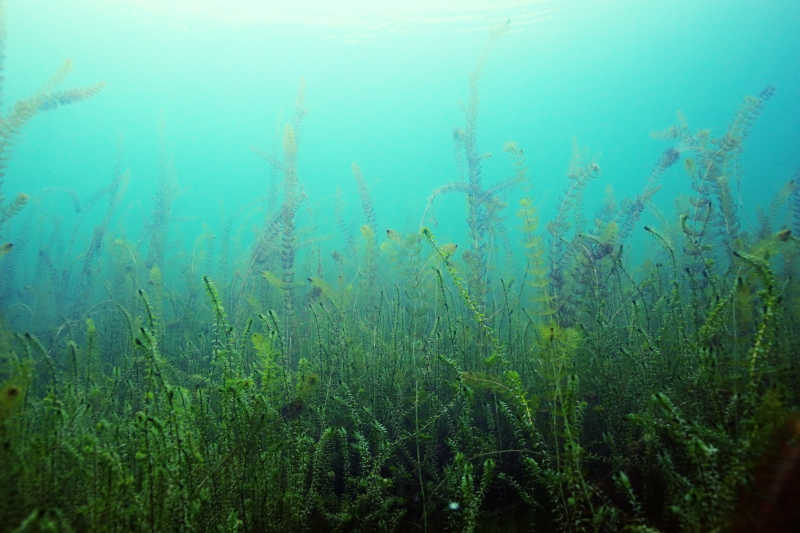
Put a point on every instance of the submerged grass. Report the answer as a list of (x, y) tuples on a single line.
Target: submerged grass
[(410, 387), (428, 414)]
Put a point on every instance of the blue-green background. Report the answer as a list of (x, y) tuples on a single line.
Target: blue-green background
[(388, 97)]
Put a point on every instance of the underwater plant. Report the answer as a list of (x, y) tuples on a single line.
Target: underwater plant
[(48, 97), (399, 383), (483, 202)]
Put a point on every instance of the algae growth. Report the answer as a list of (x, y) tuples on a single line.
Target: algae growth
[(532, 377)]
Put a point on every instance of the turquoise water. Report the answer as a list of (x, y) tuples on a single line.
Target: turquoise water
[(387, 93), (210, 321)]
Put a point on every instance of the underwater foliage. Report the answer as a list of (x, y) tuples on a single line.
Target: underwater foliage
[(483, 203), (405, 383), (14, 120)]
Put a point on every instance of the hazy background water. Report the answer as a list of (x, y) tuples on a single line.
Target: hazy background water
[(384, 87)]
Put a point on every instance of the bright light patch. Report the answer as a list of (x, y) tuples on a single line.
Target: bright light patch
[(345, 12)]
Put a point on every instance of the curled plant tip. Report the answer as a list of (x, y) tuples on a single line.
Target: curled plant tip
[(762, 266)]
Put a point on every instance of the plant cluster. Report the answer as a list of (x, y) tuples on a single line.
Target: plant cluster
[(399, 383)]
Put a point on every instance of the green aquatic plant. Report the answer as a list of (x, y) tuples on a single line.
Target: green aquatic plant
[(13, 389), (483, 202), (715, 168), (366, 201), (14, 120), (288, 239), (567, 219), (769, 296), (536, 267), (162, 207), (368, 230), (496, 349), (116, 191), (407, 387), (632, 210), (280, 235)]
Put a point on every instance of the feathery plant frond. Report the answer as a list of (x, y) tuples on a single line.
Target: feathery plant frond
[(14, 120), (482, 203)]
